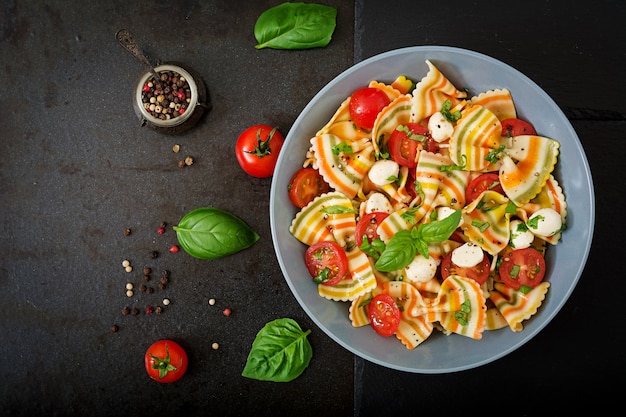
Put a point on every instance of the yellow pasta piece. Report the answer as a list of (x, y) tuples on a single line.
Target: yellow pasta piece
[(361, 281), (516, 306), (460, 307), (312, 224), (498, 101), (475, 135), (527, 165), (343, 171), (486, 221), (431, 92)]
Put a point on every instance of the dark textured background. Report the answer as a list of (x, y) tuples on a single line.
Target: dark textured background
[(77, 168)]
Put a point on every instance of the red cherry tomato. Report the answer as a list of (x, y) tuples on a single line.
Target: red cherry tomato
[(384, 314), (305, 185), (516, 127), (483, 182), (257, 150), (403, 147), (522, 267), (478, 273), (166, 361), (365, 104), (327, 262), (367, 225)]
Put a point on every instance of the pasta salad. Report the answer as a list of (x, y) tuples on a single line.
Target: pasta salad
[(427, 209)]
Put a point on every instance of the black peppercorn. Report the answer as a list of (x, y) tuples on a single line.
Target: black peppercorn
[(147, 270), (126, 311), (154, 254), (134, 311), (114, 328)]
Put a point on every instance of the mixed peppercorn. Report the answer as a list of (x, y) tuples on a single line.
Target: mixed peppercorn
[(168, 97)]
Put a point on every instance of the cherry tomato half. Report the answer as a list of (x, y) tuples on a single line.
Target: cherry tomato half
[(305, 185), (257, 150), (483, 182), (384, 314), (365, 104), (367, 225), (166, 361), (478, 273), (522, 267), (516, 127), (403, 147), (327, 262)]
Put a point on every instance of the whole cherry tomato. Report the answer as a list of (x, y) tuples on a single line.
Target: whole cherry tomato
[(166, 361), (257, 150), (365, 104)]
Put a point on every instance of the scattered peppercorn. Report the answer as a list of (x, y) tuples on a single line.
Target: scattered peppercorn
[(163, 225), (129, 286), (154, 254), (158, 310), (227, 312), (215, 346), (147, 270), (174, 248), (149, 310), (164, 280), (129, 293), (188, 161), (150, 290), (142, 288), (146, 278), (212, 301), (161, 230), (181, 164), (125, 311), (162, 286), (114, 328), (125, 263), (166, 301), (134, 311), (176, 148), (127, 231)]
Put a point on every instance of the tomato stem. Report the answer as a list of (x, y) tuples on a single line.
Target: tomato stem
[(163, 365), (263, 147)]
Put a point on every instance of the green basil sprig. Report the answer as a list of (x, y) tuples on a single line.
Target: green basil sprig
[(405, 244), (280, 352), (295, 26), (211, 233)]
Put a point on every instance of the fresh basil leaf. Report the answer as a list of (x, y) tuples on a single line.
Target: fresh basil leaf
[(400, 251), (295, 26), (441, 230), (211, 233), (280, 352)]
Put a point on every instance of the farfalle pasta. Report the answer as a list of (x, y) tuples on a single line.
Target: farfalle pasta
[(436, 277)]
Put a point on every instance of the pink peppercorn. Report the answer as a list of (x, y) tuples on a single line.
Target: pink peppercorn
[(181, 95), (227, 312), (174, 249), (161, 230), (146, 88)]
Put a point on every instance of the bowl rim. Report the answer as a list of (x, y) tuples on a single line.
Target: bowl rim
[(589, 209)]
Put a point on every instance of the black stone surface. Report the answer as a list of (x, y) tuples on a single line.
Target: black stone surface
[(76, 169)]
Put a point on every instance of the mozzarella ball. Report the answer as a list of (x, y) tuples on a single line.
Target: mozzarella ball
[(545, 222), (384, 172), (421, 269), (520, 236)]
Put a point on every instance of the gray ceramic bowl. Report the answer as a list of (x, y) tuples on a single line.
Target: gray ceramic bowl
[(565, 261)]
